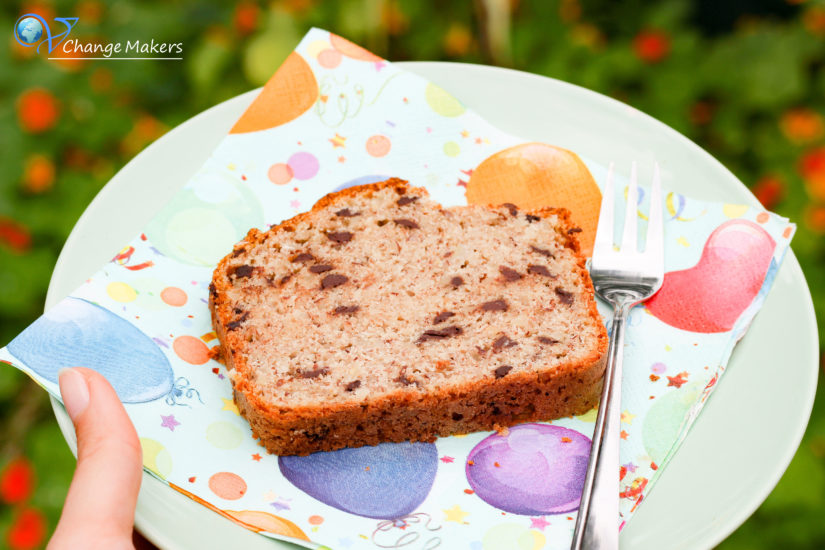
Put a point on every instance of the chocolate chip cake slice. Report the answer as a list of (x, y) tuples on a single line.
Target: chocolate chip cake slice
[(381, 316)]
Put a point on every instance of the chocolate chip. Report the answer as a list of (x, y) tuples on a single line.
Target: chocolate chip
[(502, 342), (237, 310), (443, 316), (403, 222), (574, 230), (331, 281), (212, 290), (531, 218), (456, 281), (347, 213), (511, 207), (439, 334), (495, 305), (285, 279), (565, 296), (354, 385), (340, 237), (342, 310), (457, 416), (496, 411), (303, 257), (401, 190), (547, 340), (540, 270), (237, 322), (237, 252), (542, 251), (405, 200), (402, 379), (314, 373), (509, 273), (502, 371), (381, 223), (242, 271), (320, 268)]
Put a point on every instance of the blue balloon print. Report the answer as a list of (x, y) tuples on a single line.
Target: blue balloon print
[(363, 180), (387, 481), (78, 333)]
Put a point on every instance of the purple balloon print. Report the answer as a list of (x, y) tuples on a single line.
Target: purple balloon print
[(535, 470), (387, 481)]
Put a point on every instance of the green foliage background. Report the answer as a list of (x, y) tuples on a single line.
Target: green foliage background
[(745, 80)]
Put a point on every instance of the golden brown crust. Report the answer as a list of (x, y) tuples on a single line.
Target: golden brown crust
[(406, 414)]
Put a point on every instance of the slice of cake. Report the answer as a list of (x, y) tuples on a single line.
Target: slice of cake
[(381, 316)]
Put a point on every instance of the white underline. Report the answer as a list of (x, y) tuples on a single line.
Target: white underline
[(120, 58)]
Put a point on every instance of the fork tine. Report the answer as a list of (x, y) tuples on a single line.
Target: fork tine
[(654, 248), (604, 230), (629, 235)]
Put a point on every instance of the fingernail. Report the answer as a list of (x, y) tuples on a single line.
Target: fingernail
[(75, 392)]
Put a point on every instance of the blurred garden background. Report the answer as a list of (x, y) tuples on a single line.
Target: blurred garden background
[(744, 79)]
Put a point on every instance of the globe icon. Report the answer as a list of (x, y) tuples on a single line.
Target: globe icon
[(29, 30)]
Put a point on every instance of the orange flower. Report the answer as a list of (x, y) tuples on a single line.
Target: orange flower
[(16, 481), (814, 218), (802, 125), (37, 110), (651, 46), (146, 129), (458, 40), (14, 235), (38, 173), (89, 11), (701, 113), (812, 168), (27, 531), (769, 190), (101, 80), (395, 21), (246, 18), (570, 10), (814, 20)]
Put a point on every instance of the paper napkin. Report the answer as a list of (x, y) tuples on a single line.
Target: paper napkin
[(335, 115)]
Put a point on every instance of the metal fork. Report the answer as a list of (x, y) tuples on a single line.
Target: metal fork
[(623, 278)]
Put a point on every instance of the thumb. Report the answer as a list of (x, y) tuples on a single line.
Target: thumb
[(100, 507)]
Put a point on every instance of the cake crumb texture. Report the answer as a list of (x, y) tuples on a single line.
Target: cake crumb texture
[(381, 316)]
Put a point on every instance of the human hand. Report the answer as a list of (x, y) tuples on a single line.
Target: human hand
[(100, 508)]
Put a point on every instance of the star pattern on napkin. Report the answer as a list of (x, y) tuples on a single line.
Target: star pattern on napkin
[(229, 405), (539, 523), (677, 380), (169, 422), (455, 514)]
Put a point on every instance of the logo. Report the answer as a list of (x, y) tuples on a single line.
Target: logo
[(32, 30)]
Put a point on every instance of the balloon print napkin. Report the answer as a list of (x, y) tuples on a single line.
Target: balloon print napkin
[(334, 115)]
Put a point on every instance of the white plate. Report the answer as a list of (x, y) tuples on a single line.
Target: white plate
[(737, 449)]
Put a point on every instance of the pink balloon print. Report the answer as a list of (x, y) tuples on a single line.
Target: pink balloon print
[(304, 165), (710, 296)]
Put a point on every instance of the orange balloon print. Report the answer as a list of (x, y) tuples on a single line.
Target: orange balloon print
[(290, 92), (191, 349), (173, 296), (351, 50), (251, 519), (534, 175), (264, 521)]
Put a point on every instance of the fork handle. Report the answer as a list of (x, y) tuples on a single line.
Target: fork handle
[(597, 522)]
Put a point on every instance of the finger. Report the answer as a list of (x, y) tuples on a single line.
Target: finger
[(103, 494)]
